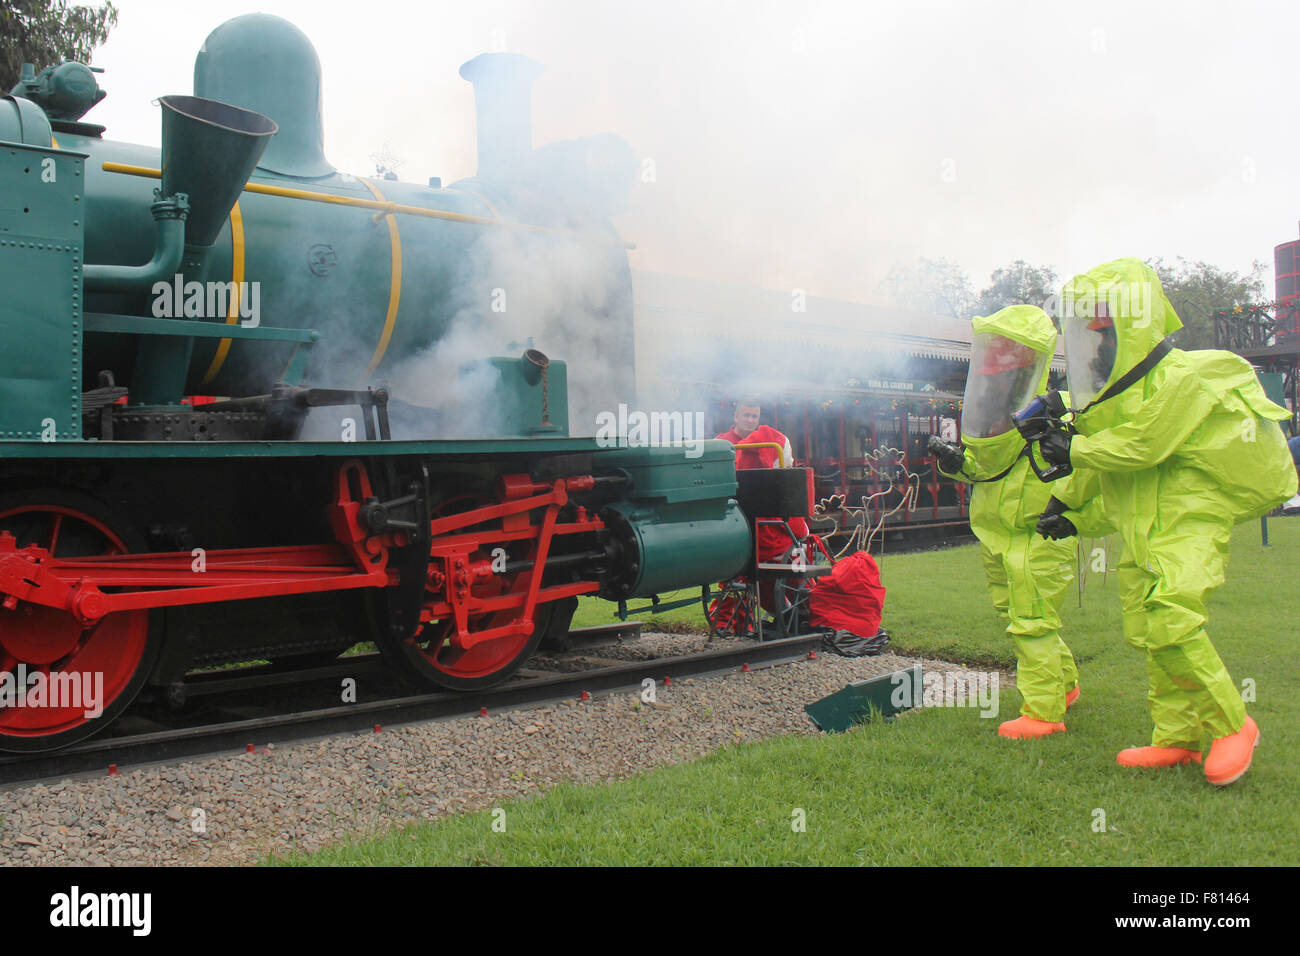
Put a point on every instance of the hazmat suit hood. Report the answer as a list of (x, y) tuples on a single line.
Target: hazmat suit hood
[(1011, 354), (1112, 317)]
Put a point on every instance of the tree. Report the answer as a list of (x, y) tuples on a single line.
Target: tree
[(1017, 284), (46, 32), (1197, 290), (935, 286)]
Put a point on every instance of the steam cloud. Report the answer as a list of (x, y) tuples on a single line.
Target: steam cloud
[(523, 290)]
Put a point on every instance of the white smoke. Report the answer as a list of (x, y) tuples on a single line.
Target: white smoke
[(524, 289)]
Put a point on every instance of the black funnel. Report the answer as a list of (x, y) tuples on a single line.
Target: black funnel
[(209, 149)]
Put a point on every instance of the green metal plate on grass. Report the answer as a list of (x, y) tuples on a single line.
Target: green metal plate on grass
[(855, 703)]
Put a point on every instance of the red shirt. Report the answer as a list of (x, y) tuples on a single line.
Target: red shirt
[(772, 539), (758, 457)]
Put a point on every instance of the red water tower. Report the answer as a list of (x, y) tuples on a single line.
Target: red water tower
[(1286, 269)]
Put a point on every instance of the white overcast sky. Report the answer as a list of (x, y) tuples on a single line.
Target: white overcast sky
[(814, 145)]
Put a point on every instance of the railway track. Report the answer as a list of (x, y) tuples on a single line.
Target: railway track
[(242, 722)]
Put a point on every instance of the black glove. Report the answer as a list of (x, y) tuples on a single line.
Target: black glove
[(1052, 523), (951, 457), (1055, 447)]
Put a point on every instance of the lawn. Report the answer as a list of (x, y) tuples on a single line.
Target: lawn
[(938, 786), (594, 611)]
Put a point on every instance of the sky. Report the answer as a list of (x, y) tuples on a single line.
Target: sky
[(815, 145)]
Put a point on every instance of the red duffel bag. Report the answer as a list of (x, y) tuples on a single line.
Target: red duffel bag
[(850, 598)]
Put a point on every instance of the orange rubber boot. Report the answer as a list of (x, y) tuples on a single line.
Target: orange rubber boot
[(1024, 728), (1157, 757), (1230, 756), (1071, 697)]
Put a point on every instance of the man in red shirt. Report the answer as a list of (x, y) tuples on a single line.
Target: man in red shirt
[(773, 541)]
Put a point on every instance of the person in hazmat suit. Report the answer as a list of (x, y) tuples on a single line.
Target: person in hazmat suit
[(1186, 445), (1027, 574)]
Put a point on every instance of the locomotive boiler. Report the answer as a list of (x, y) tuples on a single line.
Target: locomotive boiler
[(313, 496)]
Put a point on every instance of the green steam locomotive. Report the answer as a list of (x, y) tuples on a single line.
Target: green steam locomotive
[(242, 414)]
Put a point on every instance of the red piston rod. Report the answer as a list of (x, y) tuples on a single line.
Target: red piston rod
[(510, 487), (73, 585)]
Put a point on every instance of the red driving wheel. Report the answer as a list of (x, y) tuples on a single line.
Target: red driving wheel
[(484, 664), (63, 682), (431, 651)]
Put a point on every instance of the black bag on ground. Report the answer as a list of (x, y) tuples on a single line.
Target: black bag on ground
[(848, 644)]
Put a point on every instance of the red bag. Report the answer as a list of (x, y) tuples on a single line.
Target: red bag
[(850, 598)]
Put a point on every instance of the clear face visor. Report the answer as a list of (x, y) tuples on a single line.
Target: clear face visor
[(1004, 376), (1090, 348)]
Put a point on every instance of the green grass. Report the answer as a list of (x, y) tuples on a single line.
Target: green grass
[(684, 620), (938, 786), (937, 606)]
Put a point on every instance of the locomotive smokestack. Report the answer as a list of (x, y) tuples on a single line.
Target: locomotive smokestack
[(503, 90)]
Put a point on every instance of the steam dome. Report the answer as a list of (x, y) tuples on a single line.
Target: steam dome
[(266, 64)]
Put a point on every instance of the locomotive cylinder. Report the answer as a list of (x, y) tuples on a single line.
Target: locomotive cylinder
[(677, 522)]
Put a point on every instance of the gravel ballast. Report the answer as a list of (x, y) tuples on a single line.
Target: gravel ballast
[(240, 809)]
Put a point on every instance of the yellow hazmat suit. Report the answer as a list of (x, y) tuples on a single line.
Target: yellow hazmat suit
[(1185, 452), (1027, 575)]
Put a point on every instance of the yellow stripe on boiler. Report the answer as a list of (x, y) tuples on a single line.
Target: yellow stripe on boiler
[(394, 282), (237, 279)]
